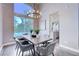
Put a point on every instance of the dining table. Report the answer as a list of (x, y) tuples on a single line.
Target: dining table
[(37, 40)]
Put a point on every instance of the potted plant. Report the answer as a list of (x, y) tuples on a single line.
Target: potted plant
[(33, 35), (37, 31), (34, 32), (31, 30)]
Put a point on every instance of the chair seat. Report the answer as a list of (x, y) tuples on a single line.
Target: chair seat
[(22, 38), (25, 43)]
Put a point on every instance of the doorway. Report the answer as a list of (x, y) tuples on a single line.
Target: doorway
[(54, 26)]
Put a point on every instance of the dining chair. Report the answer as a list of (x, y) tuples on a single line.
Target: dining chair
[(25, 46), (16, 39), (47, 49)]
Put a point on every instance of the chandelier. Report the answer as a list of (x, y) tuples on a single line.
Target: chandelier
[(34, 14)]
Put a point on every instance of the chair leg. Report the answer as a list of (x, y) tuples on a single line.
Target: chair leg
[(38, 54), (29, 52), (33, 52), (19, 52), (17, 49), (52, 53), (22, 53), (16, 46)]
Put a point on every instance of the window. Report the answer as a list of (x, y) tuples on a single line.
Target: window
[(22, 24), (20, 8)]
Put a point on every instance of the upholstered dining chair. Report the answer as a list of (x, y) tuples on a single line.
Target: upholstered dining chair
[(26, 46), (23, 45), (47, 50), (20, 39)]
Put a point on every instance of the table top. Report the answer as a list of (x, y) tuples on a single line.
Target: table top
[(37, 40)]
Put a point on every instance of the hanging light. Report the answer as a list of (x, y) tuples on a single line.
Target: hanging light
[(33, 13)]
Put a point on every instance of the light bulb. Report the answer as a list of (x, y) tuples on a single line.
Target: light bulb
[(33, 10), (37, 11)]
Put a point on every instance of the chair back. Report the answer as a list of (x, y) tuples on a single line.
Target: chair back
[(50, 47), (25, 45)]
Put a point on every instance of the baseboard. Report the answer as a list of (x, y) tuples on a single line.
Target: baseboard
[(0, 51), (70, 50)]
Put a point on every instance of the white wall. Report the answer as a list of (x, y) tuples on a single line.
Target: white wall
[(78, 26), (69, 26), (68, 19)]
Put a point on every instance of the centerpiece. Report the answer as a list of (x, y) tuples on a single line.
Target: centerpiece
[(34, 33)]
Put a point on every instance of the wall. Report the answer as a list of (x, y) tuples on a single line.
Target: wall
[(78, 26), (69, 27), (7, 22), (0, 26), (68, 19)]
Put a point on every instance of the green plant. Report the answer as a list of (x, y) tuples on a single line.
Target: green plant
[(35, 30)]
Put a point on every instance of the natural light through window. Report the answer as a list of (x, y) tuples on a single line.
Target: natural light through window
[(22, 25)]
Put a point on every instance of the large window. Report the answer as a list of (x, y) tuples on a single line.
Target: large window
[(22, 25)]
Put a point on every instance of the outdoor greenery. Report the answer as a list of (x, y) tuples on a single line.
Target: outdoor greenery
[(22, 25)]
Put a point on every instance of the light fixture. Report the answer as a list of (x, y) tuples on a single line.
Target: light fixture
[(34, 13)]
